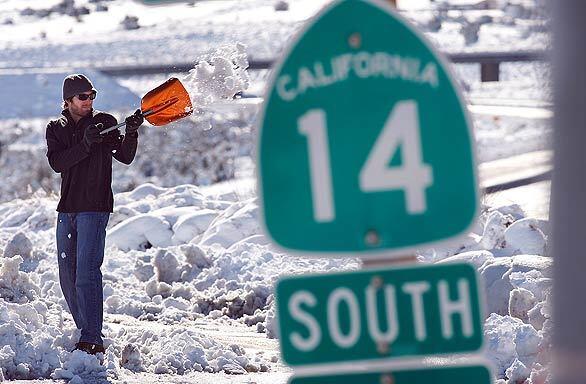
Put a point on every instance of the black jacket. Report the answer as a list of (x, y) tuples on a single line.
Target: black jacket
[(86, 172)]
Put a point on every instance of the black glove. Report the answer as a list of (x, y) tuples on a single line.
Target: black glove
[(133, 122), (113, 139), (92, 135)]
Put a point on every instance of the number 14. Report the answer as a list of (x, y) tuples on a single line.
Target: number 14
[(401, 129)]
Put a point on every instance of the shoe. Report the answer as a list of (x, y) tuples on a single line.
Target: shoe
[(90, 348)]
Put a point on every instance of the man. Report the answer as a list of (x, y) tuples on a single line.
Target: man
[(83, 157)]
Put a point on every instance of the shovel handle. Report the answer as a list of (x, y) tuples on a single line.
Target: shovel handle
[(119, 125), (123, 124)]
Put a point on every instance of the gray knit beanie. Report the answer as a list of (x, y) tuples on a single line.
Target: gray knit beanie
[(76, 84)]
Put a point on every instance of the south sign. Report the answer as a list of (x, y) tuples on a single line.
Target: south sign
[(376, 314)]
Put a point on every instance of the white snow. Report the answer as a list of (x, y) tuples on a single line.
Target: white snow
[(177, 264), (218, 75)]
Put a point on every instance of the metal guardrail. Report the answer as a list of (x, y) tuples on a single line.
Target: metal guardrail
[(490, 61), (499, 187), (489, 64), (151, 69)]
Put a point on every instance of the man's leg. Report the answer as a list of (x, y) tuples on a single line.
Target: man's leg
[(91, 236), (67, 260)]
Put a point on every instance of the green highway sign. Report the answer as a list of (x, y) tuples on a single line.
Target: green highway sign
[(373, 314), (477, 374), (364, 142)]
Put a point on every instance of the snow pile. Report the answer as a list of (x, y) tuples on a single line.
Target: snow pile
[(178, 259), (19, 245), (469, 26), (181, 350), (503, 231), (27, 343), (79, 366), (518, 330), (227, 270), (166, 34), (508, 250), (207, 258), (65, 7), (15, 285)]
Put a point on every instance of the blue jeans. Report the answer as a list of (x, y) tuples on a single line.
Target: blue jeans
[(80, 250)]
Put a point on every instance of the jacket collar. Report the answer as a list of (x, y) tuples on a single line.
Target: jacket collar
[(70, 119)]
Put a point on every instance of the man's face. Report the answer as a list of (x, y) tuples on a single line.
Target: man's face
[(81, 107)]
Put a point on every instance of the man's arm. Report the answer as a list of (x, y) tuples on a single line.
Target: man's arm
[(60, 157), (125, 153), (128, 147)]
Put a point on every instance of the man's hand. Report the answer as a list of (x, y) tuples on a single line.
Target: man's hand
[(113, 139), (133, 122), (92, 134)]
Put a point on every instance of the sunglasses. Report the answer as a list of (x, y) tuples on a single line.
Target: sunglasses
[(84, 96)]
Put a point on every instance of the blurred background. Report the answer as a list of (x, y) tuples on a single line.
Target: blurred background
[(127, 47)]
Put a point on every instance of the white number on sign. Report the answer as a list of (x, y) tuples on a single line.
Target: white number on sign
[(401, 130), (412, 176), (313, 125)]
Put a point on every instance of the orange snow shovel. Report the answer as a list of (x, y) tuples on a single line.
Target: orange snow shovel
[(164, 104)]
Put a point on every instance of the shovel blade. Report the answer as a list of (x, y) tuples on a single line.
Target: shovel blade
[(166, 103)]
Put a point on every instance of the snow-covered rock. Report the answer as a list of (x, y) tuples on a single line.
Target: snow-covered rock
[(16, 286), (19, 245), (521, 301), (525, 237), (236, 223), (512, 345), (141, 232), (190, 226), (476, 258), (496, 275)]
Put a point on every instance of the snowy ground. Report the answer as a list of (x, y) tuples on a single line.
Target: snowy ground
[(188, 287), (188, 274)]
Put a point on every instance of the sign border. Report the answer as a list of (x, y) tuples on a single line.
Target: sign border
[(389, 361), (474, 361), (375, 254)]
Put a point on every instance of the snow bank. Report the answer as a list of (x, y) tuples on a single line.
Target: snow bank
[(27, 343), (16, 286), (177, 258), (180, 256), (508, 251)]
